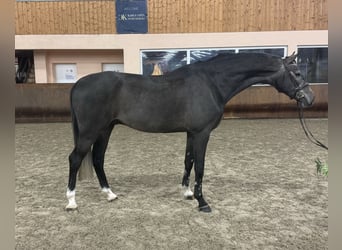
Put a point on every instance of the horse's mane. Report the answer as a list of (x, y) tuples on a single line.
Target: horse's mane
[(249, 58), (242, 55), (255, 61)]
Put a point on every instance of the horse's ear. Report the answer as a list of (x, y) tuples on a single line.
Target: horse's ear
[(290, 59)]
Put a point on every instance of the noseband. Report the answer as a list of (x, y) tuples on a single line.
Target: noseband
[(299, 93)]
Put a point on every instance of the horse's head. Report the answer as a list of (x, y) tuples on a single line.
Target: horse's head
[(292, 83)]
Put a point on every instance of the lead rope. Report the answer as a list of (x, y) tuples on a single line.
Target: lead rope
[(307, 132)]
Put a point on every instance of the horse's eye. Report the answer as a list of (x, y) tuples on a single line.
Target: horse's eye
[(297, 74)]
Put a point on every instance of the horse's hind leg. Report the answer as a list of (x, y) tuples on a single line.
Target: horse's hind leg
[(99, 150), (188, 162), (75, 160)]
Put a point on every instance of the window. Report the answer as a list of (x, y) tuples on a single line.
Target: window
[(313, 63), (65, 73), (273, 51), (206, 54), (161, 62), (117, 67), (24, 66), (158, 62)]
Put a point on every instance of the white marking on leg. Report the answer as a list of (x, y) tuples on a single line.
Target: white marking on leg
[(110, 195), (71, 200), (188, 193)]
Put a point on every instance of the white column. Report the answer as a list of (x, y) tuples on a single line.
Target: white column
[(132, 60), (40, 68)]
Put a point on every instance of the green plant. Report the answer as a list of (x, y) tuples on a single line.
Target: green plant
[(322, 168)]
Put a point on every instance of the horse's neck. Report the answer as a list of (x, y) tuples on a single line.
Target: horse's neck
[(235, 87), (231, 83)]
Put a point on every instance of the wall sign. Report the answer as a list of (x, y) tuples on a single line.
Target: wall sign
[(65, 73), (131, 16)]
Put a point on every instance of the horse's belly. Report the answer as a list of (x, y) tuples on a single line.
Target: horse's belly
[(154, 122)]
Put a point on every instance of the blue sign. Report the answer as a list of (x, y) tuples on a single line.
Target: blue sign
[(131, 16)]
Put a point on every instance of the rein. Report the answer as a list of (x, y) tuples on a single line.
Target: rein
[(307, 132), (298, 95)]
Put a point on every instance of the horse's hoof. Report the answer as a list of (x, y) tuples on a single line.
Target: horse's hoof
[(188, 197), (111, 197), (205, 209), (72, 207), (188, 194)]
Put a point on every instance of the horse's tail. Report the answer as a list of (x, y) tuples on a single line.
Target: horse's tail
[(86, 168), (86, 171)]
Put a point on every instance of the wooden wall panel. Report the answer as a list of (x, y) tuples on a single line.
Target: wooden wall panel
[(173, 16), (74, 17)]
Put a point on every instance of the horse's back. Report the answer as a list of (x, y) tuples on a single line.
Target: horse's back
[(131, 99), (96, 82)]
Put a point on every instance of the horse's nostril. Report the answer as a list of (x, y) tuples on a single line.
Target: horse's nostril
[(300, 95)]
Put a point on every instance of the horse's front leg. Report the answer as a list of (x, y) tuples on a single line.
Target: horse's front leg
[(200, 146), (188, 162)]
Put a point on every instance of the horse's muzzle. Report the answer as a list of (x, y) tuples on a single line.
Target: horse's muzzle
[(305, 97)]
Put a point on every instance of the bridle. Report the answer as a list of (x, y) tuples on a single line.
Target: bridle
[(299, 94)]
